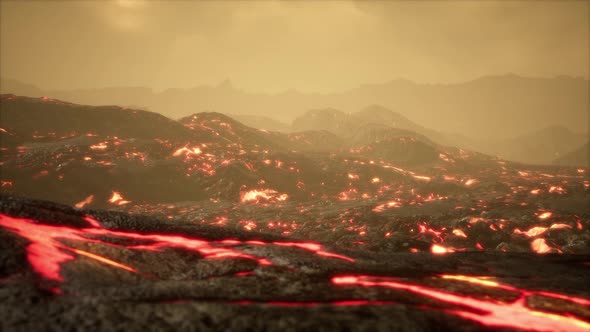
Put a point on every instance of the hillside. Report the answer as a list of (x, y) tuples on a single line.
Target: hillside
[(261, 122), (541, 146), (66, 152), (45, 117), (577, 157)]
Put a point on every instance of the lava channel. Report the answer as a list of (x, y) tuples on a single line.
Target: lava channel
[(46, 253), (489, 313)]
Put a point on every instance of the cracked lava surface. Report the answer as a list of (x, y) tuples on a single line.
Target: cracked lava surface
[(61, 255), (206, 224)]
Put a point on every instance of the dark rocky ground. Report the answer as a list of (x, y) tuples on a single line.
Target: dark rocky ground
[(133, 221), (123, 272)]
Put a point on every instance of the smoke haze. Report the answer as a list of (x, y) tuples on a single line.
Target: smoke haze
[(272, 46)]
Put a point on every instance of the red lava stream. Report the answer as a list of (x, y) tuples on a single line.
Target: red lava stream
[(46, 253)]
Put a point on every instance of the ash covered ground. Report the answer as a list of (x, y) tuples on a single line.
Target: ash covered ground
[(204, 222)]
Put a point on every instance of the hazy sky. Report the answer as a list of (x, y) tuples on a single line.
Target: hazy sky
[(271, 46)]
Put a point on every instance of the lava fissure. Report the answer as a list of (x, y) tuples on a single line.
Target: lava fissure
[(46, 253), (497, 314)]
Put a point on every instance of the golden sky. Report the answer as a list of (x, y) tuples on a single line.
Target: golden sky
[(271, 46)]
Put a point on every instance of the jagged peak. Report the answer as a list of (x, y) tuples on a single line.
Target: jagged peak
[(226, 84)]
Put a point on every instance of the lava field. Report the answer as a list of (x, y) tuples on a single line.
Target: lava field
[(120, 219)]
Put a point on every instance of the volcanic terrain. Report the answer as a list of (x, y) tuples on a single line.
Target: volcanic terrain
[(114, 218)]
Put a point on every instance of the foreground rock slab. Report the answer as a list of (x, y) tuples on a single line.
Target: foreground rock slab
[(68, 269)]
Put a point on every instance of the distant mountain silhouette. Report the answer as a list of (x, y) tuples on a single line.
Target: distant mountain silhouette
[(261, 122), (541, 146), (382, 115), (19, 88), (372, 123), (377, 123), (330, 119), (492, 107), (577, 157)]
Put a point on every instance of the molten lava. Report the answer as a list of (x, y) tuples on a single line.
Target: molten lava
[(438, 249), (85, 202), (263, 195), (46, 252), (117, 199), (493, 314), (545, 215), (540, 246), (187, 151)]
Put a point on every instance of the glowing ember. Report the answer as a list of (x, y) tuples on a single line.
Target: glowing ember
[(557, 189), (470, 182), (545, 215), (256, 196), (438, 249), (348, 194), (535, 231), (187, 151), (540, 246), (6, 183), (459, 232), (422, 177), (353, 176), (117, 199), (382, 207), (248, 224), (560, 226), (100, 146), (85, 202)]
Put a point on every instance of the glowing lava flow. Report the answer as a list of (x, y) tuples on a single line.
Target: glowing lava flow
[(117, 199), (187, 151), (489, 283), (104, 260), (313, 247), (257, 196), (438, 249), (46, 253), (85, 202), (495, 314), (540, 246), (545, 215)]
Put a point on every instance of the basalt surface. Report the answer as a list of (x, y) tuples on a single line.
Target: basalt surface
[(119, 219), (69, 269)]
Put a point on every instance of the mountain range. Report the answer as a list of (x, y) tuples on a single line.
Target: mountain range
[(362, 183), (376, 123), (491, 107)]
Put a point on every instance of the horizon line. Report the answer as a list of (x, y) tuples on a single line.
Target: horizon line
[(229, 83)]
